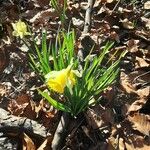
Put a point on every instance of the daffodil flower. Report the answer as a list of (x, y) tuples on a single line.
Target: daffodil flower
[(58, 80), (20, 29)]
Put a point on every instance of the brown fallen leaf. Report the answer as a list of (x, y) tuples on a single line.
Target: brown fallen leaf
[(133, 45), (146, 21), (137, 143), (121, 144), (125, 138), (130, 82), (125, 10), (127, 24), (43, 16), (140, 62), (47, 115), (3, 90), (28, 144), (109, 94), (137, 105), (114, 36), (146, 54), (46, 145), (113, 140), (141, 122), (125, 82), (99, 117), (144, 34), (144, 92), (22, 106), (15, 108)]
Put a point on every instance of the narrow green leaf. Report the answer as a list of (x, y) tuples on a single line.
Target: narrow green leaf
[(53, 102), (54, 58)]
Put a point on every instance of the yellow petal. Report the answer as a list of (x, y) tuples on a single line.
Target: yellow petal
[(55, 86), (20, 29), (57, 80), (62, 77), (72, 78)]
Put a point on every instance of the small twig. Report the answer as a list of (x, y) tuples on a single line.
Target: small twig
[(140, 76), (11, 2), (87, 26), (115, 6), (61, 132), (88, 15)]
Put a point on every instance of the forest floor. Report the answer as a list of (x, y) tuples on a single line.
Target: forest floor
[(122, 119)]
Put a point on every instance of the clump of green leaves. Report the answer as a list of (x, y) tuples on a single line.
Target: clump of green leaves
[(39, 58), (90, 82)]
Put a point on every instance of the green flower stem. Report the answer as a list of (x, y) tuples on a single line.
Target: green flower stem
[(25, 42)]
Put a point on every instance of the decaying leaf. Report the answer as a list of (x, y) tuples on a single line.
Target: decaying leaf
[(99, 117), (126, 83), (127, 24), (3, 90), (137, 105), (137, 143), (22, 106), (43, 16), (131, 81), (146, 54), (48, 115), (121, 144), (113, 139), (105, 25), (124, 10), (123, 137), (114, 36), (133, 45), (144, 92), (147, 22), (109, 94), (141, 122), (143, 34), (28, 144), (46, 144), (140, 62), (15, 108)]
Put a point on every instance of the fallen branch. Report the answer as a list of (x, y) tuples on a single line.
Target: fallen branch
[(13, 124)]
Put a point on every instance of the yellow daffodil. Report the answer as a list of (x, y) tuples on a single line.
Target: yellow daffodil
[(20, 29), (58, 80)]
